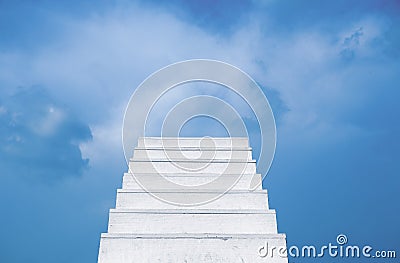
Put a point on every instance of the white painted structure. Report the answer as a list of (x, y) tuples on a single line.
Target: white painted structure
[(237, 227)]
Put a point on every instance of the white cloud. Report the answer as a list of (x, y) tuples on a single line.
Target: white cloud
[(98, 61), (49, 123)]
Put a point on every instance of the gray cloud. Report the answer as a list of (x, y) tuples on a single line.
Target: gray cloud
[(39, 137), (351, 43)]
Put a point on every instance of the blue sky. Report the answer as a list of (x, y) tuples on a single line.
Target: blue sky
[(331, 70)]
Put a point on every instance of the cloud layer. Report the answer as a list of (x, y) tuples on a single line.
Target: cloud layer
[(40, 137)]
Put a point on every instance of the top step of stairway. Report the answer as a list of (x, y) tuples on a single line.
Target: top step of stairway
[(193, 142)]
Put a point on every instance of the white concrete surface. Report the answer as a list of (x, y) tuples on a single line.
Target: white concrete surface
[(193, 167), (231, 228), (205, 154), (158, 221), (189, 248), (243, 182), (191, 142), (131, 199)]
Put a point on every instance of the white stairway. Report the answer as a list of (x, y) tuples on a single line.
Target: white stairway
[(204, 213)]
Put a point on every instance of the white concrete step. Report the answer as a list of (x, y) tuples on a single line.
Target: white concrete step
[(202, 142), (194, 211), (235, 199), (185, 153), (192, 221), (192, 167), (195, 161), (243, 182), (223, 248)]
